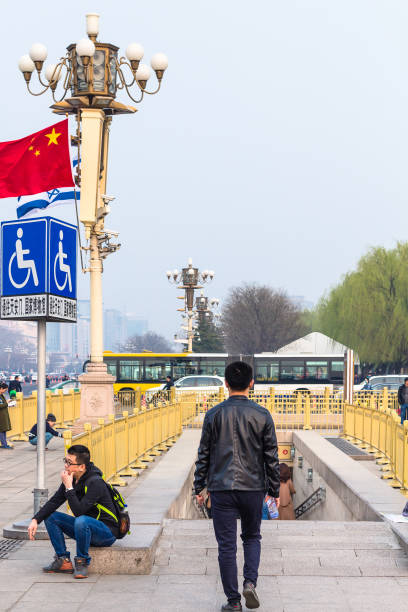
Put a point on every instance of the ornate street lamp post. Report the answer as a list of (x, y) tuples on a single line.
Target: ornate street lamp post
[(205, 306), (84, 83), (189, 279)]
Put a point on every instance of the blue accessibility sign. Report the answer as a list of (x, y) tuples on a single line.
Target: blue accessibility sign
[(62, 259), (39, 260), (24, 257)]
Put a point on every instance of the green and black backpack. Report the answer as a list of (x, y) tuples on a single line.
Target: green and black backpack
[(122, 515), (121, 512)]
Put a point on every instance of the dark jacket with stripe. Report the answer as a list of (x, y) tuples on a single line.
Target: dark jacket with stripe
[(238, 449), (90, 496)]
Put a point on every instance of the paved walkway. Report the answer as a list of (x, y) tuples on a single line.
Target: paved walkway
[(306, 566)]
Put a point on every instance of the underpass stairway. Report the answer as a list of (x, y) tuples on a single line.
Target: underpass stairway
[(304, 564)]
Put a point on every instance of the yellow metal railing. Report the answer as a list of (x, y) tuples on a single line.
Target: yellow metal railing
[(23, 415), (124, 445), (379, 431)]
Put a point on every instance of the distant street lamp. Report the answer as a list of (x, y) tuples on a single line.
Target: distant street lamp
[(190, 279), (84, 83), (205, 306)]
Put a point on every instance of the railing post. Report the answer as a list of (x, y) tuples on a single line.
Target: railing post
[(101, 423), (67, 435), (404, 490), (326, 400), (20, 436), (116, 480), (60, 412), (272, 399), (127, 471), (307, 424), (138, 399), (384, 399)]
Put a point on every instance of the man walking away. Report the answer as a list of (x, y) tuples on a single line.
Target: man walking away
[(94, 522), (50, 432), (15, 385), (238, 462), (403, 400)]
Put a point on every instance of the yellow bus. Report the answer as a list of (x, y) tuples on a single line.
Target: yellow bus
[(285, 372), (146, 370)]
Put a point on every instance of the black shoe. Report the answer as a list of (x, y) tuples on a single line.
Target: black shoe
[(229, 606), (81, 568), (60, 565), (251, 598)]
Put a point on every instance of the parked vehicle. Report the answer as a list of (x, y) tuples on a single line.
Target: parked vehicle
[(209, 384), (391, 381), (66, 386)]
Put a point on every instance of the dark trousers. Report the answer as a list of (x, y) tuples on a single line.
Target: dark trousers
[(226, 505)]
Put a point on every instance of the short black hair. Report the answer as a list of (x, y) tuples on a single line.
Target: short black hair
[(3, 385), (81, 452), (51, 417), (168, 376), (238, 375), (405, 380)]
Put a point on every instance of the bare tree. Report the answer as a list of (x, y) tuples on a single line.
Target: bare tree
[(258, 318), (150, 341)]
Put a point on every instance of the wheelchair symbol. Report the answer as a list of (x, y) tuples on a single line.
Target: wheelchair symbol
[(22, 264), (63, 267)]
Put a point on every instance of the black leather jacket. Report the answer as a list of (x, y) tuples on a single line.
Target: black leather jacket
[(238, 449)]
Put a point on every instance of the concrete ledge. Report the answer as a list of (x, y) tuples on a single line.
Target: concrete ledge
[(166, 491), (365, 495)]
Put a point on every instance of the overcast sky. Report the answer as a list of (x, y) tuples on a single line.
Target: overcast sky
[(276, 152)]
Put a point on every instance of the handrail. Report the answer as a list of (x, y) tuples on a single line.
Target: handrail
[(122, 446), (379, 431), (315, 498)]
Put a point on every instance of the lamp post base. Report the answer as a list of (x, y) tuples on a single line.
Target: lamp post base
[(96, 393), (18, 531)]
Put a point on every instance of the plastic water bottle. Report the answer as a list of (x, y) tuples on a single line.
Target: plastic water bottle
[(272, 509)]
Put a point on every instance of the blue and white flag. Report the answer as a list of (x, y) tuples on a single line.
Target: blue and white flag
[(33, 204)]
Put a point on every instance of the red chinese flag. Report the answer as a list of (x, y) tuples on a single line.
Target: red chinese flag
[(36, 163)]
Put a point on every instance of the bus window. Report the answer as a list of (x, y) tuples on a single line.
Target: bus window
[(212, 367), (130, 370), (337, 369), (261, 372), (111, 365), (266, 372), (292, 371), (184, 367), (157, 370), (317, 370)]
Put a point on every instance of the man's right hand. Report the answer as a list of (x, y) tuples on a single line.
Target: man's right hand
[(32, 529), (200, 499)]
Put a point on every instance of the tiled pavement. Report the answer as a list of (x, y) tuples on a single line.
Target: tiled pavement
[(306, 566)]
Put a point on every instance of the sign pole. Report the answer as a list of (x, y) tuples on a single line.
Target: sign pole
[(40, 492)]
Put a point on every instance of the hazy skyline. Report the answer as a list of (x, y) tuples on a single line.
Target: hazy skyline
[(276, 151)]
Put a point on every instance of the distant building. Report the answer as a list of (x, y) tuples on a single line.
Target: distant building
[(114, 327), (135, 326)]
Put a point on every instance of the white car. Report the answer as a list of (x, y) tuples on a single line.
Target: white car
[(198, 382)]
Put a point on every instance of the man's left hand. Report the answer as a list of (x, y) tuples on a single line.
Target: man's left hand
[(67, 479)]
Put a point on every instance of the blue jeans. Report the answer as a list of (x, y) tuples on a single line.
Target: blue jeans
[(48, 437), (225, 506), (404, 413), (84, 529)]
